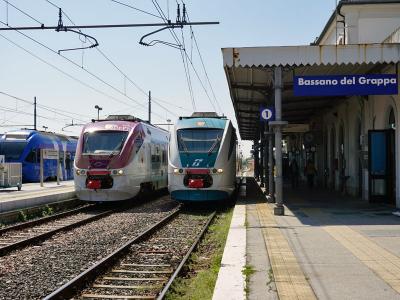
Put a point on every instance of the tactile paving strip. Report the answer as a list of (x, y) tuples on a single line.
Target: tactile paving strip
[(289, 278)]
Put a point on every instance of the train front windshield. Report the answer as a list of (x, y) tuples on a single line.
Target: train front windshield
[(12, 150), (104, 142), (199, 140)]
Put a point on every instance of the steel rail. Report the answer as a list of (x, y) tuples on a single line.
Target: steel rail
[(69, 289), (31, 240), (38, 221), (185, 258), (177, 25)]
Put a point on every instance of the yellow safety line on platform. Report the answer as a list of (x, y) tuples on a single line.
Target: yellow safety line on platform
[(288, 275), (385, 264)]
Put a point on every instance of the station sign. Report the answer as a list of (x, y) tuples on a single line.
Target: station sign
[(50, 154), (346, 85), (267, 114)]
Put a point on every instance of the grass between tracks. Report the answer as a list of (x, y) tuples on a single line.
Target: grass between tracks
[(200, 274)]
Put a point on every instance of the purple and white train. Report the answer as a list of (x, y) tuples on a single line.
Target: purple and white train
[(118, 157)]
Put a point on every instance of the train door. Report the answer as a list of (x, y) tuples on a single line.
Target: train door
[(381, 165)]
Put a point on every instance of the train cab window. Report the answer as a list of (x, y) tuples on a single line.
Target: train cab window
[(104, 142), (31, 157), (12, 150), (199, 140)]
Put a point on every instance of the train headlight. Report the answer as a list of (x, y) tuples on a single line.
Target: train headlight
[(118, 172), (80, 172), (178, 171), (220, 171), (214, 171)]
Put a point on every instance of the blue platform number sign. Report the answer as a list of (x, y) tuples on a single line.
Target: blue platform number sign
[(346, 85), (267, 114)]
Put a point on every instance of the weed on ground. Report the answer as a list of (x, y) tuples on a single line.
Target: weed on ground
[(199, 276)]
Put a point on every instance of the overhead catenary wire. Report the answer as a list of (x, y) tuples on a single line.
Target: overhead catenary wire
[(185, 53), (187, 70), (178, 41), (13, 110), (155, 100), (21, 11), (64, 72), (202, 62), (80, 67), (118, 68), (135, 8), (48, 108)]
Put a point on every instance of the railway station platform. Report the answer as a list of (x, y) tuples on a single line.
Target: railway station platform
[(326, 246), (32, 194)]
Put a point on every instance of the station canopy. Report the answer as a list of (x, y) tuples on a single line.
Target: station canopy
[(250, 73)]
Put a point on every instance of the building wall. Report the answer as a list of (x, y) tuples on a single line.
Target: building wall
[(371, 112), (364, 24), (368, 23)]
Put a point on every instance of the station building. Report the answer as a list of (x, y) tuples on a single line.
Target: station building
[(354, 138)]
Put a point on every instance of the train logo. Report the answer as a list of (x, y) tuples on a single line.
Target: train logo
[(197, 162)]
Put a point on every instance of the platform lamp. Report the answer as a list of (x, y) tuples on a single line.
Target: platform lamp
[(98, 111)]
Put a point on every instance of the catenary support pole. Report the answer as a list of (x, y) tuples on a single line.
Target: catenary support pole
[(149, 106), (34, 114), (41, 167), (279, 208)]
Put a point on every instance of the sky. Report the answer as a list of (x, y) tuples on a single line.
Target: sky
[(68, 86)]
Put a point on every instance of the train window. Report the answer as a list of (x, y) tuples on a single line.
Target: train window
[(199, 140), (31, 157), (104, 142), (12, 150)]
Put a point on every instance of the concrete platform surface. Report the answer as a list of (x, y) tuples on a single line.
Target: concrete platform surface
[(230, 283), (32, 194), (326, 246)]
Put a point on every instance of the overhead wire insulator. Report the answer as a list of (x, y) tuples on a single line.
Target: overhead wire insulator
[(178, 14), (184, 14)]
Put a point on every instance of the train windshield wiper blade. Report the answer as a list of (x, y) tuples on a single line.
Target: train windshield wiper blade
[(185, 149), (214, 145)]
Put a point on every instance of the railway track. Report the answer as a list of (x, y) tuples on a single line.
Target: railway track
[(31, 232), (145, 266)]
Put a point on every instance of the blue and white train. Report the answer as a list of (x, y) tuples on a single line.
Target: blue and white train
[(24, 146), (202, 158)]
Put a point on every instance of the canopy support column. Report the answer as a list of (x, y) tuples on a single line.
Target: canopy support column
[(279, 209), (266, 150), (262, 149), (271, 194)]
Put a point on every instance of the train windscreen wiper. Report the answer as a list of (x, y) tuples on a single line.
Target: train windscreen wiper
[(217, 141), (183, 144)]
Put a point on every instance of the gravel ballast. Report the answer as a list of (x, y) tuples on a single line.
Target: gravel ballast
[(36, 271)]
